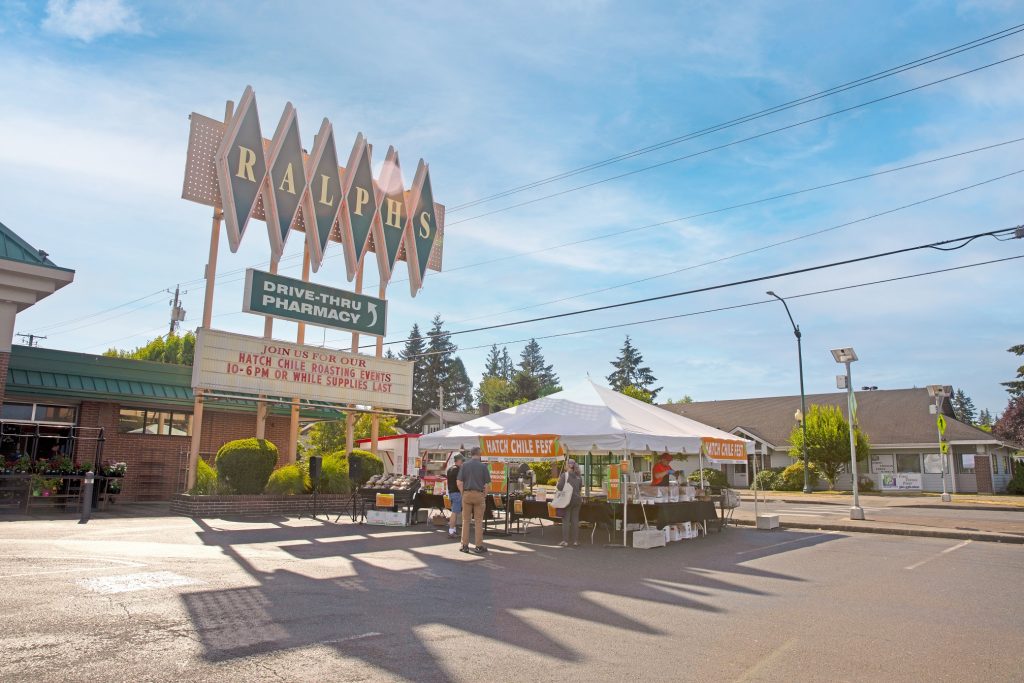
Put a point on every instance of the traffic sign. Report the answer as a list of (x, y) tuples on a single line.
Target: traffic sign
[(944, 447), (941, 422)]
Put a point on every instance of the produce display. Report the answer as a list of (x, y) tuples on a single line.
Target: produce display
[(392, 483)]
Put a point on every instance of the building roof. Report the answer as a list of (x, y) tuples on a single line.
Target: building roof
[(14, 248), (36, 372), (889, 417), (449, 417)]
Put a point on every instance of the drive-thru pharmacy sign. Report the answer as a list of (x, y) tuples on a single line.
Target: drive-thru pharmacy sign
[(254, 365), (307, 302)]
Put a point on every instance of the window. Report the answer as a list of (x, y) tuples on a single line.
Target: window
[(908, 462), (55, 414), (16, 411), (161, 422), (933, 463), (964, 463)]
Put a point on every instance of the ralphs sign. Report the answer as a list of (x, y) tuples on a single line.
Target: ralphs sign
[(306, 302)]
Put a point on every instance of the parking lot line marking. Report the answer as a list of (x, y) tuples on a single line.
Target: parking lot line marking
[(794, 540), (369, 634), (947, 550)]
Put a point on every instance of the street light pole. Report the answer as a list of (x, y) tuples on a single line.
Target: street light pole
[(940, 392), (847, 356), (803, 400)]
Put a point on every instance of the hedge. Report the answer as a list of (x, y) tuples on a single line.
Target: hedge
[(244, 466)]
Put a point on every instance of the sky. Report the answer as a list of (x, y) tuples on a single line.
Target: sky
[(95, 97)]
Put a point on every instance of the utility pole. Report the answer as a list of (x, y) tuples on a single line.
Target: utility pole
[(32, 338), (177, 312), (440, 404)]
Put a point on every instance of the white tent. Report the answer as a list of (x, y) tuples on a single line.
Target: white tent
[(590, 418)]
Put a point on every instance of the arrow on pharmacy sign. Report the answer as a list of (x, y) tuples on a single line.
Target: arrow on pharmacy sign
[(941, 422), (307, 302)]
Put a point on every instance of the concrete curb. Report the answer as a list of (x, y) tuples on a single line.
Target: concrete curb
[(926, 533), (993, 507)]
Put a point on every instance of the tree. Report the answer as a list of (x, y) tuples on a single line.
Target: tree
[(174, 349), (531, 362), (495, 394), (985, 420), (637, 393), (390, 355), (828, 441), (413, 351), (1016, 387), (508, 370), (1010, 425), (437, 365), (630, 371), (492, 366), (963, 407), (685, 399), (458, 391), (328, 437)]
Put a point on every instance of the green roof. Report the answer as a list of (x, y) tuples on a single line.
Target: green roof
[(40, 373), (13, 248)]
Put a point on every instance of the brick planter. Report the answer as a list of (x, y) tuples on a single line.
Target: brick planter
[(256, 506)]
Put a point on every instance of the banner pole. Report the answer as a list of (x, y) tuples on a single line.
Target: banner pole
[(210, 275), (300, 338)]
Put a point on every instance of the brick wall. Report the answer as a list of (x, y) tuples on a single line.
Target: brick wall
[(983, 473), (5, 360), (257, 506), (156, 463)]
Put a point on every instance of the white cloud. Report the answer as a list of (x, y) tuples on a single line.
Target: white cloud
[(87, 20)]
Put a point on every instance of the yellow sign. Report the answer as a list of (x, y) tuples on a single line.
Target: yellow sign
[(518, 507), (944, 447), (385, 500), (941, 422), (520, 446)]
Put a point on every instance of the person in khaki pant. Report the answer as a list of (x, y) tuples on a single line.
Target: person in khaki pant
[(473, 480)]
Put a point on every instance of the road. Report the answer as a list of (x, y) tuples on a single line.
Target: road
[(172, 599)]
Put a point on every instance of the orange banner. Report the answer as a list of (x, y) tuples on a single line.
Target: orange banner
[(385, 500), (520, 446), (497, 476), (723, 450)]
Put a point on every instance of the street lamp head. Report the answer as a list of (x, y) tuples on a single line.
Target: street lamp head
[(798, 415), (771, 293), (844, 355), (940, 390)]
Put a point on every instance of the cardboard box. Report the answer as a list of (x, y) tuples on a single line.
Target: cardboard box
[(385, 517), (649, 538)]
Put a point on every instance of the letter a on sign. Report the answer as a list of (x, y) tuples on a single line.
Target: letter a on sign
[(286, 185), (421, 229), (241, 167), (324, 200)]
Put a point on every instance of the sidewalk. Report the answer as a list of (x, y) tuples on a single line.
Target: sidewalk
[(967, 517)]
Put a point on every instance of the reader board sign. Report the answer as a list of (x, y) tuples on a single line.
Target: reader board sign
[(722, 450), (520, 447), (254, 365), (307, 302), (901, 481)]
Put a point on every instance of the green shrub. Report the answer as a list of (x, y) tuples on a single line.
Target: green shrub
[(792, 478), (372, 464), (552, 481), (541, 470), (244, 466), (334, 474), (766, 480), (1016, 485), (206, 480), (287, 481), (712, 477), (865, 484)]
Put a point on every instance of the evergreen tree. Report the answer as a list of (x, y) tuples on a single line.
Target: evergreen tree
[(1016, 387), (630, 371), (508, 370), (985, 419), (437, 366), (963, 407), (531, 363), (390, 355), (458, 390), (413, 351), (492, 366)]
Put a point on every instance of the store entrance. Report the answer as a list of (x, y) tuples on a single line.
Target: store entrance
[(37, 433)]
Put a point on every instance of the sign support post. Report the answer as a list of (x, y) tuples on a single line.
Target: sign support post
[(350, 420), (268, 332), (300, 338), (375, 418), (210, 275)]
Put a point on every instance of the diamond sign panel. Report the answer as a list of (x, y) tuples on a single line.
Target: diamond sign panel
[(360, 213), (241, 167), (390, 227), (286, 179), (324, 199), (421, 230)]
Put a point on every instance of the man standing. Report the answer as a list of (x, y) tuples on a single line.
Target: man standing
[(473, 479), (454, 495)]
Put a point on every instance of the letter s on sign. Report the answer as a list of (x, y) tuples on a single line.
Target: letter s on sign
[(425, 225)]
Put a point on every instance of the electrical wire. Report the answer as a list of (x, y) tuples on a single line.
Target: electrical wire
[(732, 143), (892, 71), (721, 308)]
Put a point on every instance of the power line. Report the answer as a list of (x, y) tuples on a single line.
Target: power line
[(763, 247), (733, 142), (724, 308), (892, 71), (964, 241)]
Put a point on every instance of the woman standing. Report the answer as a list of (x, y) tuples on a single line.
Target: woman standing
[(571, 513)]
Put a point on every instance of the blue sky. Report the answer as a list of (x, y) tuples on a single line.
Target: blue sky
[(95, 95)]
